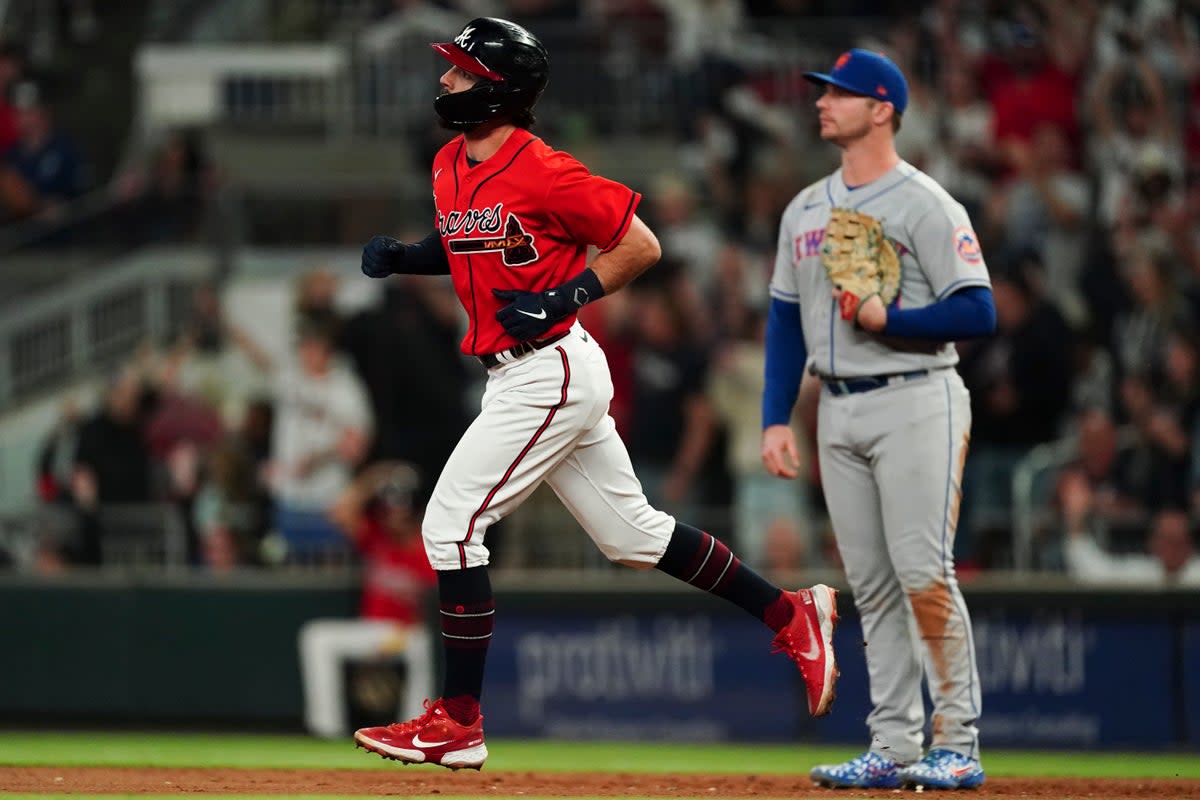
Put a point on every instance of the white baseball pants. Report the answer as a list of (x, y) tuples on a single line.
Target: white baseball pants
[(545, 417)]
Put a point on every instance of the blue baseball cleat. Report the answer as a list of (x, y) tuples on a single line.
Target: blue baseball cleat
[(943, 769), (868, 771)]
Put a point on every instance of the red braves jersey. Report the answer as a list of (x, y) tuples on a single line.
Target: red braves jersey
[(523, 219)]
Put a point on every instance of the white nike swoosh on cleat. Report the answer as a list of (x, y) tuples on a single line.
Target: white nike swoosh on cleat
[(813, 652), (542, 315), (419, 742)]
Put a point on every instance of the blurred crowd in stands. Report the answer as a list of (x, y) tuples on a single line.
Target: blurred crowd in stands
[(1070, 129)]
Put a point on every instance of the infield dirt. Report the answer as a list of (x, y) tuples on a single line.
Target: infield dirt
[(430, 781)]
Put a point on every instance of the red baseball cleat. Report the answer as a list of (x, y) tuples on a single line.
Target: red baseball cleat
[(808, 640), (432, 738)]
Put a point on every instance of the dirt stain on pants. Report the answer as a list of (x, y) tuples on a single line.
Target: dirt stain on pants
[(934, 610)]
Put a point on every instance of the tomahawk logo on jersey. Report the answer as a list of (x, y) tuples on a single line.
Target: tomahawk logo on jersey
[(523, 219), (515, 246)]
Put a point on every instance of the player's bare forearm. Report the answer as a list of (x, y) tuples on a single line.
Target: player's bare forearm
[(251, 348), (350, 508), (637, 251), (699, 427)]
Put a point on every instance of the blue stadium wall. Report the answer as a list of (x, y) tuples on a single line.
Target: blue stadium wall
[(1058, 667)]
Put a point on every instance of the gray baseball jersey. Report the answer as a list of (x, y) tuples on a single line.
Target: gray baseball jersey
[(938, 251)]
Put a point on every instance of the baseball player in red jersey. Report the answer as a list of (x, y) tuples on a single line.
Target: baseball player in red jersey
[(515, 220)]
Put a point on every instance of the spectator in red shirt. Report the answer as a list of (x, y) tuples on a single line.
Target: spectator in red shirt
[(1192, 123), (12, 66), (381, 514), (1032, 92)]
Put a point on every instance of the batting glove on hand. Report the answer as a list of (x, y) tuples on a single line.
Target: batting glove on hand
[(382, 256), (530, 314)]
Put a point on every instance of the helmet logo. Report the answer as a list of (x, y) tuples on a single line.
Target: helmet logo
[(463, 40)]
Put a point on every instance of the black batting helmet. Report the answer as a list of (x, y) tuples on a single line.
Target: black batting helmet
[(512, 65)]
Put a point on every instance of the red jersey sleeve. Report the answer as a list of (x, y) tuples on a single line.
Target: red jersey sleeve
[(591, 209)]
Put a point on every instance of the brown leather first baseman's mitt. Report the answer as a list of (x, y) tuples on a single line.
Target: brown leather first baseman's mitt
[(859, 260)]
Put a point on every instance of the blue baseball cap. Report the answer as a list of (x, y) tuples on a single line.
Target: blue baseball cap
[(869, 74)]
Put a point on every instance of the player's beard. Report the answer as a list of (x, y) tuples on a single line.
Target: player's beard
[(848, 132)]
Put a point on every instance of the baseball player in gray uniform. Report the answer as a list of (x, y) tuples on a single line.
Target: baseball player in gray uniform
[(893, 423)]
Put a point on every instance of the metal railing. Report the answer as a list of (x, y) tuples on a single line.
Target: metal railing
[(18, 535), (27, 233), (1031, 493), (143, 535), (242, 20), (295, 86), (85, 326), (605, 80), (1026, 507)]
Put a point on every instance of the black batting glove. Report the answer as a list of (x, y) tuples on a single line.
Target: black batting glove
[(382, 256), (530, 314)]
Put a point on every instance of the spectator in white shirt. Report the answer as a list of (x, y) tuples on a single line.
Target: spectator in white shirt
[(1170, 560), (322, 431)]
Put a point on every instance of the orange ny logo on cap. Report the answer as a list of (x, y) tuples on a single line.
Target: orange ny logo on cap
[(841, 62)]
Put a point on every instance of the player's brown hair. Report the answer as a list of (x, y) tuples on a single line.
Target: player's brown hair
[(895, 116), (524, 119)]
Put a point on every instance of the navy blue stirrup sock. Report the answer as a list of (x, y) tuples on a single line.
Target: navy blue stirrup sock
[(468, 613), (704, 561)]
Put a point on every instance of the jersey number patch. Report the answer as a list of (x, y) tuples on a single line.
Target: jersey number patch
[(515, 246)]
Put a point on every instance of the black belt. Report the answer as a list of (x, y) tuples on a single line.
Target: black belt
[(866, 384), (516, 351)]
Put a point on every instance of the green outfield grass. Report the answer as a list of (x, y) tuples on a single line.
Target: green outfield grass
[(299, 752)]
